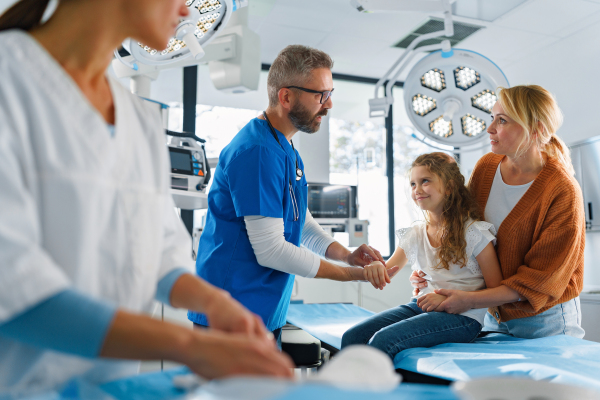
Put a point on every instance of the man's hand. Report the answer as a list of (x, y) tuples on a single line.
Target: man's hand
[(417, 281), (430, 302), (226, 314), (457, 301), (364, 255), (378, 274), (218, 355)]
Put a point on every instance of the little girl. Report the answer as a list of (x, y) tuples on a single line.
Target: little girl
[(453, 247)]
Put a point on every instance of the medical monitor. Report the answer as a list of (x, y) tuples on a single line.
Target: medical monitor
[(181, 161), (332, 201)]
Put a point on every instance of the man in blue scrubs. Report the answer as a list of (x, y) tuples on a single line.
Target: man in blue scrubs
[(257, 206)]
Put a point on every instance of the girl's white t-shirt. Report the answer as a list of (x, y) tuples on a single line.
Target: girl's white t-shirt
[(422, 256)]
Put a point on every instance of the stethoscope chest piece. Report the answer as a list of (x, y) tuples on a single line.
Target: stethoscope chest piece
[(299, 174)]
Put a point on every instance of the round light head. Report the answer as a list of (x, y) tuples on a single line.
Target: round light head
[(208, 18), (471, 92)]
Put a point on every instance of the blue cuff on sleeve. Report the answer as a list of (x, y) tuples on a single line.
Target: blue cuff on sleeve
[(165, 285), (68, 322)]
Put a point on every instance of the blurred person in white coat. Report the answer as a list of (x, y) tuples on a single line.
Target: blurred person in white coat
[(88, 232)]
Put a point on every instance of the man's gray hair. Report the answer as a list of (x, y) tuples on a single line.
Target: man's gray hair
[(293, 67)]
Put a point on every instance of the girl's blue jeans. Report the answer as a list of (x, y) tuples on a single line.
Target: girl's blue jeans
[(407, 326)]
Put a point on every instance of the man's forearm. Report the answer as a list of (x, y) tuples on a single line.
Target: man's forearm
[(494, 297), (195, 294), (334, 272), (138, 337), (336, 251)]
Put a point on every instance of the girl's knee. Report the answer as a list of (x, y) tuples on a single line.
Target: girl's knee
[(389, 347), (352, 336)]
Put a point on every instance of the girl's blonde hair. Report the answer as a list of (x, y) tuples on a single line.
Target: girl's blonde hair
[(535, 110), (459, 207)]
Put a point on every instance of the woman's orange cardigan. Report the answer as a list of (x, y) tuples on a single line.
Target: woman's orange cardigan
[(540, 243)]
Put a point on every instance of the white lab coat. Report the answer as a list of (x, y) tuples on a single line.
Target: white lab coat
[(78, 208)]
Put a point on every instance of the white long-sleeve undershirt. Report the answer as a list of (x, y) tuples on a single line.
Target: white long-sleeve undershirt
[(273, 251)]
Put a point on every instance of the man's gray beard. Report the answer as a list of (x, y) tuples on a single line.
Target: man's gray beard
[(302, 120)]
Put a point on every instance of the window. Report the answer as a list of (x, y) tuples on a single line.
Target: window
[(216, 125), (357, 157)]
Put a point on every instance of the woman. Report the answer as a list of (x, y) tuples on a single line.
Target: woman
[(527, 190), (88, 236)]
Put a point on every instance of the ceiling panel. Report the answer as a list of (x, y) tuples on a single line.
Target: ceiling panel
[(388, 28), (547, 16), (583, 23), (301, 17), (275, 37), (342, 48), (499, 42)]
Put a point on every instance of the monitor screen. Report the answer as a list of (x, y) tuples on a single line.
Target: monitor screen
[(181, 161), (331, 201)]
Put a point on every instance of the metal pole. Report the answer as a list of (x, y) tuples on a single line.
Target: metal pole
[(457, 155), (389, 159), (190, 87)]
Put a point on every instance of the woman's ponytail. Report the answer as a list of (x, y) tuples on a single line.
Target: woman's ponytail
[(25, 15), (558, 149)]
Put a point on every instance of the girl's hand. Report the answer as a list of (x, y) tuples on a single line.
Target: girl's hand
[(378, 275), (457, 301), (417, 281), (430, 302)]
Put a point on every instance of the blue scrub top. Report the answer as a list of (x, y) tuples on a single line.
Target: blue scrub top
[(252, 178)]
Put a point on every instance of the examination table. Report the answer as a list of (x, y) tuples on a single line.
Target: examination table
[(160, 386), (560, 359)]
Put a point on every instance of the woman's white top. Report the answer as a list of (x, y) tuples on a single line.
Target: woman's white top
[(422, 256), (502, 199), (79, 209), (273, 251)]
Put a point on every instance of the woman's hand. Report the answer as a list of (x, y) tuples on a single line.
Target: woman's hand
[(364, 255), (219, 355), (226, 314), (457, 301), (417, 281), (430, 302), (378, 274)]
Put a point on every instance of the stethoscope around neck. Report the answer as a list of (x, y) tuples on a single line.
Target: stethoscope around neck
[(299, 172)]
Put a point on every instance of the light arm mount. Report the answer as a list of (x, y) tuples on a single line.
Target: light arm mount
[(380, 106)]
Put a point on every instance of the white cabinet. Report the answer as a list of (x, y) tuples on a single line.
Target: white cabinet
[(590, 315)]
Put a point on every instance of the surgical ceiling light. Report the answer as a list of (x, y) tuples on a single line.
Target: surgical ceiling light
[(205, 20), (463, 105), (447, 111)]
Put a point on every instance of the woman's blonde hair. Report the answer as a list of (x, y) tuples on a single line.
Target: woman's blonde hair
[(459, 207), (535, 109)]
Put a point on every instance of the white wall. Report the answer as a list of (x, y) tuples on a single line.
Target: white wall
[(569, 69)]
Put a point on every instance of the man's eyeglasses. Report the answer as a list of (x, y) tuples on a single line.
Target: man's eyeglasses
[(325, 94)]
